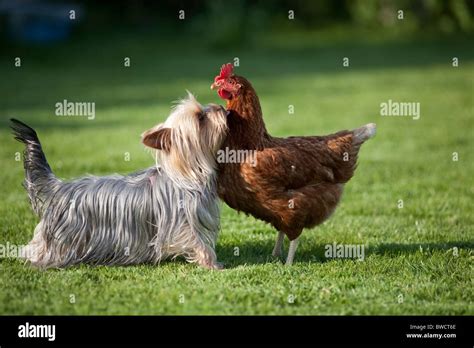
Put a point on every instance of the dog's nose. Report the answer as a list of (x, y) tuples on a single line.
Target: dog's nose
[(216, 107)]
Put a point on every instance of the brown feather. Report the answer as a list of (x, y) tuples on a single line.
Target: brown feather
[(297, 181)]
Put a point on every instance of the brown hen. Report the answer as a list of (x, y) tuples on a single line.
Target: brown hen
[(292, 183)]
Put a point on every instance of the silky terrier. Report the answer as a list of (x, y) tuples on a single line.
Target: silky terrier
[(162, 212)]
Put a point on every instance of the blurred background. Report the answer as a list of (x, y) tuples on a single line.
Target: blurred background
[(78, 49), (227, 22)]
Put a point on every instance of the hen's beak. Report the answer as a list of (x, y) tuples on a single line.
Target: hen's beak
[(216, 85)]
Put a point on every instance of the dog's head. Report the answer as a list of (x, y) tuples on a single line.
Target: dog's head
[(188, 141)]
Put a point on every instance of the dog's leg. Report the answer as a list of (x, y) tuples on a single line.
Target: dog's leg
[(36, 250), (292, 251), (205, 256), (278, 245)]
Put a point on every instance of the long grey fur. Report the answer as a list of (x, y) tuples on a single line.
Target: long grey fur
[(116, 220)]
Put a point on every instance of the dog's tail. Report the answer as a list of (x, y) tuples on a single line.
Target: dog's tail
[(40, 181)]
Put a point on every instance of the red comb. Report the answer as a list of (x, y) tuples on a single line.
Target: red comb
[(226, 71)]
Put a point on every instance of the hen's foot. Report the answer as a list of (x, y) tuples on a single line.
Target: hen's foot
[(291, 252), (277, 250)]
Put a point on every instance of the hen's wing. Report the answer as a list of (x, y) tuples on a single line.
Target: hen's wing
[(295, 162)]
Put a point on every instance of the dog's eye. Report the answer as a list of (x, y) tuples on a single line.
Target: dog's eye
[(201, 116)]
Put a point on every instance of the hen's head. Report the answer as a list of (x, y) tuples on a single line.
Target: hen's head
[(226, 83)]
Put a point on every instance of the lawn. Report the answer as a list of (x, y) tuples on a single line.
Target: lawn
[(418, 259)]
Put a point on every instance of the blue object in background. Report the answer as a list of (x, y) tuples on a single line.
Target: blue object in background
[(39, 21)]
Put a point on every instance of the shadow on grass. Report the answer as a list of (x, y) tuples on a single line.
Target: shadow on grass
[(259, 252)]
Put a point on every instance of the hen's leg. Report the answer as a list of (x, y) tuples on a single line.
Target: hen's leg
[(278, 245), (291, 251)]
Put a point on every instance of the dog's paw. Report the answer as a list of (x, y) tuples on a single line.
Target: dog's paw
[(216, 266)]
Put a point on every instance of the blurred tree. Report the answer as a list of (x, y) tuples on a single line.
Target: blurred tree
[(224, 21)]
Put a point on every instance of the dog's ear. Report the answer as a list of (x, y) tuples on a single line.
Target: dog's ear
[(158, 138)]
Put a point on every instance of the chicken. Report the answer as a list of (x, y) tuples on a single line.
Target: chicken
[(292, 183)]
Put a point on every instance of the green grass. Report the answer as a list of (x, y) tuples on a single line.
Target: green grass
[(410, 252)]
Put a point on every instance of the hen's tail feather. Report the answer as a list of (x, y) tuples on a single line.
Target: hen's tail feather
[(345, 148), (40, 181), (364, 133)]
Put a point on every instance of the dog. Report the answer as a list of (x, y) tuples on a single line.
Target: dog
[(162, 212)]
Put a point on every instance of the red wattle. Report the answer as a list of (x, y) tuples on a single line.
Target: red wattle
[(224, 94)]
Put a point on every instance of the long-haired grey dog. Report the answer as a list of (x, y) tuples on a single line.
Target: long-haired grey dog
[(164, 211)]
